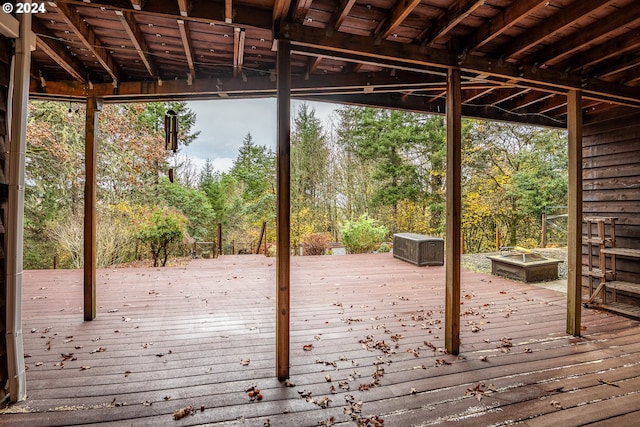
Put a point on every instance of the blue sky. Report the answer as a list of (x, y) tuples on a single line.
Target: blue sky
[(223, 124)]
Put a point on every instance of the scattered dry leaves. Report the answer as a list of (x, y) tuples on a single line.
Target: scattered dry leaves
[(183, 412)]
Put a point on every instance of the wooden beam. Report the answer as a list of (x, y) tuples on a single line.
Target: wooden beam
[(399, 13), (228, 11), (340, 14), (201, 11), (409, 56), (456, 13), (300, 10), (238, 50), (89, 39), (137, 4), (184, 6), (13, 242), (137, 39), (281, 9), (312, 64), (591, 34), (58, 52), (574, 226), (90, 261), (453, 216), (186, 43), (603, 53), (283, 215), (504, 20), (557, 22)]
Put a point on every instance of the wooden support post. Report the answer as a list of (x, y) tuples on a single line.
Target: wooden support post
[(283, 218), (498, 243), (453, 221), (91, 128), (574, 226), (14, 225), (220, 238), (544, 231)]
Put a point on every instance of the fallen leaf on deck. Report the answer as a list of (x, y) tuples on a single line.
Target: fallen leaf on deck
[(245, 362), (327, 378), (39, 363), (289, 383), (98, 350), (556, 404), (307, 347), (181, 413), (147, 403), (413, 390), (84, 368), (601, 381)]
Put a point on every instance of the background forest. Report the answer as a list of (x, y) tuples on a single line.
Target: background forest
[(383, 168)]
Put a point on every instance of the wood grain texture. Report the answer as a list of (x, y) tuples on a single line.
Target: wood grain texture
[(175, 337)]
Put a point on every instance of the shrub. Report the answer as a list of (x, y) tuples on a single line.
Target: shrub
[(384, 247), (159, 229), (315, 244), (362, 236)]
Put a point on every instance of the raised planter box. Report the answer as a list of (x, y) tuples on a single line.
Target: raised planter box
[(527, 267), (418, 249)]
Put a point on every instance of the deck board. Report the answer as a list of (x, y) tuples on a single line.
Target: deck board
[(176, 337)]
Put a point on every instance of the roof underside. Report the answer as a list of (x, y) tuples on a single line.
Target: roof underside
[(518, 57)]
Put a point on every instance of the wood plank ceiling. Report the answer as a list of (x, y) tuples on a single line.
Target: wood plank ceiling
[(518, 57)]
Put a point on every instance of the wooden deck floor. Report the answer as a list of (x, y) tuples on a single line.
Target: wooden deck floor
[(366, 341)]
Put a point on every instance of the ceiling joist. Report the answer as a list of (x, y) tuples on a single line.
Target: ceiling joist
[(557, 22), (89, 39), (186, 44), (589, 35), (57, 51), (399, 13), (504, 20), (389, 53), (238, 51), (339, 15), (448, 20), (137, 39)]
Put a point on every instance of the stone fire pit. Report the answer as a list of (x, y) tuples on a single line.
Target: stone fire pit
[(523, 265)]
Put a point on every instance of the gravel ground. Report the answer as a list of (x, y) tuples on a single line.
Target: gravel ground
[(482, 264)]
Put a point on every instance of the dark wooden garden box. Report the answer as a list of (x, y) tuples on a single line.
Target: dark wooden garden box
[(418, 249)]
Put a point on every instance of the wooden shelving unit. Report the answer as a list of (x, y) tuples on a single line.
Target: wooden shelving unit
[(605, 240)]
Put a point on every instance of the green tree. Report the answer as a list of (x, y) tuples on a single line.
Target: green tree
[(193, 203), (311, 198), (512, 172), (159, 229)]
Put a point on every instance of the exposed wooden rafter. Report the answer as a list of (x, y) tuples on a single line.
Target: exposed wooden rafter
[(591, 34), (398, 14), (238, 50), (228, 11), (502, 22), (300, 10), (238, 14), (449, 19), (386, 53), (281, 9), (603, 53), (340, 14), (137, 39), (57, 51), (89, 39), (312, 64), (186, 43), (184, 6), (557, 22), (137, 4)]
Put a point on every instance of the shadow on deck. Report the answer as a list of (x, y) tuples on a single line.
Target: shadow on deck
[(367, 344)]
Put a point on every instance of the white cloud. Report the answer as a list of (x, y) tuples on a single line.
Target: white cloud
[(224, 123)]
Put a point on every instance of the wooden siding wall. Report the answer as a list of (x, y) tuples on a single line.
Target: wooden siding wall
[(611, 172), (5, 68)]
